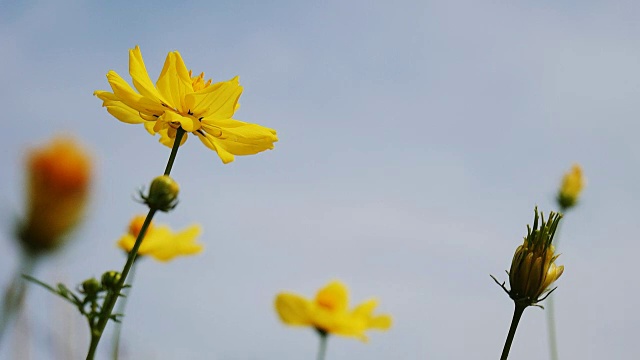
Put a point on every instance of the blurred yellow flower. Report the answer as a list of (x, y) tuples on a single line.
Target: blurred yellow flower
[(572, 184), (160, 242), (58, 177), (329, 312), (179, 99), (533, 268)]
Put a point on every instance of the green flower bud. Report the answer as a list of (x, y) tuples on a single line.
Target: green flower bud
[(533, 269), (110, 279), (163, 193), (90, 286)]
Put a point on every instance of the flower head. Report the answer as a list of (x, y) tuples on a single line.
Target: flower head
[(160, 242), (180, 100), (58, 177), (533, 269), (329, 312), (572, 184)]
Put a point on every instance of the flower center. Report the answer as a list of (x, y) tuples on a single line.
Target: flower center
[(197, 82)]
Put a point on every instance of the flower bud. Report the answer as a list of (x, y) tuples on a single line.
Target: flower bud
[(90, 286), (533, 269), (58, 178), (572, 184), (163, 193), (110, 279)]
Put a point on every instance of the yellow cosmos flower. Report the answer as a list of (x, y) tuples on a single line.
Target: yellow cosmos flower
[(329, 312), (179, 99), (58, 177), (160, 242), (572, 184)]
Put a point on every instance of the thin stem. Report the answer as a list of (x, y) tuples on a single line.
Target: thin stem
[(517, 314), (174, 150), (322, 349), (550, 308), (15, 293), (551, 328), (111, 299), (121, 306)]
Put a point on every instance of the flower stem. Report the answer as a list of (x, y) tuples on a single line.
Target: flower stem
[(15, 293), (174, 150), (517, 314), (550, 309), (322, 349), (121, 306), (111, 299)]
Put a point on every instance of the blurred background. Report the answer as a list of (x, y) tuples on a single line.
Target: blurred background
[(416, 137)]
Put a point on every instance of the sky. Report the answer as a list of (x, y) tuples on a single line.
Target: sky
[(415, 140)]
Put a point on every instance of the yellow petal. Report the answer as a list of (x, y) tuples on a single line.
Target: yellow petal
[(174, 82), (124, 113), (140, 77), (382, 322), (218, 101), (210, 142), (127, 95), (170, 246), (333, 297), (168, 137), (240, 138), (366, 308), (189, 124), (293, 309)]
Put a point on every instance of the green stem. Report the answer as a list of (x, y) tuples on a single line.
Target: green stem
[(550, 307), (174, 150), (551, 327), (15, 293), (121, 306), (517, 314), (322, 349), (111, 299)]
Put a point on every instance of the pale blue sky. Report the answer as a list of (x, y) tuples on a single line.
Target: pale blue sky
[(415, 139)]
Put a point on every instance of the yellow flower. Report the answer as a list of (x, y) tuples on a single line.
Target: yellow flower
[(572, 184), (59, 177), (179, 99), (329, 312), (160, 242), (533, 268)]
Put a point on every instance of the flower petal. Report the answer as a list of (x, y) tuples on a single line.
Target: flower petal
[(188, 124), (169, 245), (334, 297), (210, 141), (174, 82), (140, 76), (218, 101), (240, 138), (293, 309), (127, 95), (168, 137)]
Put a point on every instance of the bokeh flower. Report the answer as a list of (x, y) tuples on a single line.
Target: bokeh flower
[(329, 312), (160, 242), (572, 184), (179, 99), (533, 269), (58, 181)]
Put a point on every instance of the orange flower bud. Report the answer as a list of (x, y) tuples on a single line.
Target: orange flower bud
[(58, 181)]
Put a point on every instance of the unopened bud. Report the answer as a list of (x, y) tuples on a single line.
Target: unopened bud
[(163, 193), (110, 279), (90, 286)]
